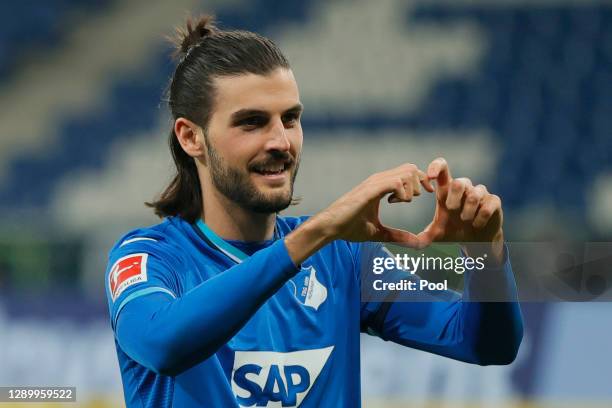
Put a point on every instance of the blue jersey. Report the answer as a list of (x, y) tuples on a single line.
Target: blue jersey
[(204, 322)]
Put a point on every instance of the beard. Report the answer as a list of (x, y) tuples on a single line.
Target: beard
[(237, 186)]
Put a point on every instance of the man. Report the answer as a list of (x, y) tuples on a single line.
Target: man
[(227, 304)]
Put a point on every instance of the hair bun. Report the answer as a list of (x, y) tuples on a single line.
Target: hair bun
[(192, 34)]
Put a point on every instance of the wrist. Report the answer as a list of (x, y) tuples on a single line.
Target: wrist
[(493, 250), (308, 238), (322, 224)]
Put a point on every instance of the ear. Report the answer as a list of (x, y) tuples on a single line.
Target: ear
[(190, 136)]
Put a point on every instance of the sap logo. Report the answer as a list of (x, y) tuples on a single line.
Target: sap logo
[(307, 289), (273, 379)]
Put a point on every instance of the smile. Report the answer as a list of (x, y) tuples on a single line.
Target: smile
[(272, 169)]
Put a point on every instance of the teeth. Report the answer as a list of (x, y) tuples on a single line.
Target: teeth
[(273, 169)]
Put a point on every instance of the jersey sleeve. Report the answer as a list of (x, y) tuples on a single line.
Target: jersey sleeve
[(169, 334), (139, 266), (447, 323)]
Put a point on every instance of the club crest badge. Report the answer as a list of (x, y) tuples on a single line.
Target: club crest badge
[(307, 288)]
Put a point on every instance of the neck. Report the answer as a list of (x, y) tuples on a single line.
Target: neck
[(230, 221)]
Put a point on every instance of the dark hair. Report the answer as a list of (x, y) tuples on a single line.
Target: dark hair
[(205, 52)]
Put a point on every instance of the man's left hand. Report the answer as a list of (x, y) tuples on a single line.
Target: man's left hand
[(464, 213)]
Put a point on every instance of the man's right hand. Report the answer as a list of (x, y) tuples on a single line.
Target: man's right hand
[(355, 215)]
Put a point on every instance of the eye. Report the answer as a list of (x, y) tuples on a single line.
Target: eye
[(252, 122), (291, 119)]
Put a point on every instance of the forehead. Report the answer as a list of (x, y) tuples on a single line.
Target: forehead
[(276, 91)]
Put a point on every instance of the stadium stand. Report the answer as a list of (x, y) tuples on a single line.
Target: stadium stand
[(540, 85), (30, 26)]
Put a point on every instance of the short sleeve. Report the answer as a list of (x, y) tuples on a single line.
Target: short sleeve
[(139, 266)]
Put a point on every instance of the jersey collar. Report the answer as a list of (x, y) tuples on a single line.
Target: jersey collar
[(221, 245)]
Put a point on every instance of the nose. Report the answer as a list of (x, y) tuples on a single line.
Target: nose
[(278, 139)]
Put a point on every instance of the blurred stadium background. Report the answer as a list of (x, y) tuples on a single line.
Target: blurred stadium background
[(515, 94)]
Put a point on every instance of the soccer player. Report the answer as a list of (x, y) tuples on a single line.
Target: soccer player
[(226, 304)]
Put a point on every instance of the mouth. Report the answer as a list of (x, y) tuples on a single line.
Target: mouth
[(272, 169)]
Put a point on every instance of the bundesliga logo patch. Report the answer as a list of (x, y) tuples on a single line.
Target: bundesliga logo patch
[(127, 271)]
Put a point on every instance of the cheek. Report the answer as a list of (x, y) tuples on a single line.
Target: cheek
[(237, 149), (296, 140)]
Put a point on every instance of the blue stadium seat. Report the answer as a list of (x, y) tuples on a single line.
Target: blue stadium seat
[(28, 25), (542, 87)]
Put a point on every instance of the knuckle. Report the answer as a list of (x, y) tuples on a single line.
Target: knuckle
[(456, 184), (485, 212), (472, 200), (465, 181)]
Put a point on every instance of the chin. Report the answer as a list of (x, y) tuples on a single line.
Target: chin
[(272, 202), (269, 207), (272, 193), (279, 201)]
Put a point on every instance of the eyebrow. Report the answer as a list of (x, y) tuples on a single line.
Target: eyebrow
[(241, 114)]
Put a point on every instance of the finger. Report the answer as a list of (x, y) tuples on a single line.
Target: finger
[(411, 179), (403, 170), (409, 174), (385, 185), (488, 207), (412, 176), (425, 181), (393, 198), (472, 202), (415, 184), (438, 170), (400, 192), (456, 191), (399, 236)]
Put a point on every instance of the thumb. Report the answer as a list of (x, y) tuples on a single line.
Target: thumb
[(427, 236), (438, 170)]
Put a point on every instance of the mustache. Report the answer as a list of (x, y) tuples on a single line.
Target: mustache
[(274, 157)]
